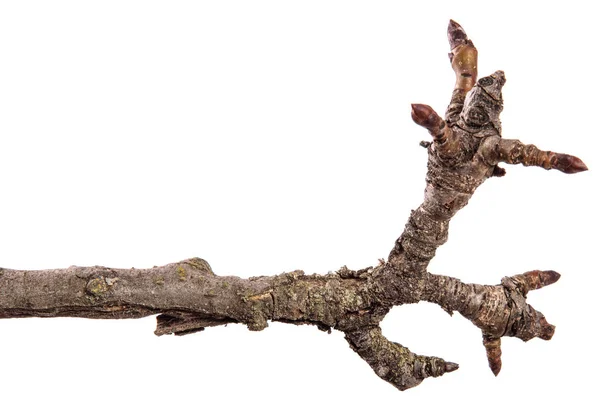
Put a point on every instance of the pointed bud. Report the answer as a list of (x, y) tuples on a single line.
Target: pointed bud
[(494, 353), (549, 277), (450, 367), (568, 164), (463, 57), (420, 113), (535, 279), (456, 34), (496, 368), (426, 117)]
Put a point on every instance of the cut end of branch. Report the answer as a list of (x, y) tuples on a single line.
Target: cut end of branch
[(425, 144), (547, 329), (498, 171)]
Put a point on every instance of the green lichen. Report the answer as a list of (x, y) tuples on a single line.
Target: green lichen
[(317, 307), (199, 264), (351, 300), (258, 321), (225, 285), (97, 286), (159, 280), (181, 273)]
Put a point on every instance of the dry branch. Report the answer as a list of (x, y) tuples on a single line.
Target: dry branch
[(188, 296)]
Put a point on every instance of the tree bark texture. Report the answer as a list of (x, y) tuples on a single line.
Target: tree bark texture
[(187, 296)]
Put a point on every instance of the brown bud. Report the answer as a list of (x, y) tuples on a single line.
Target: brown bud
[(463, 57), (426, 117), (456, 34), (450, 367), (494, 353), (568, 164), (536, 279), (549, 277)]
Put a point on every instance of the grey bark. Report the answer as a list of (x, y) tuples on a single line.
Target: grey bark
[(188, 296)]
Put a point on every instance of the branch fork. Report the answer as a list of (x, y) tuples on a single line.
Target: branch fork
[(187, 296)]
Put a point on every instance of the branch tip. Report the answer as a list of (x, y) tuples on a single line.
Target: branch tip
[(450, 367), (393, 362), (569, 164), (456, 35), (420, 112), (531, 280), (547, 329), (549, 277), (493, 352), (513, 151), (423, 115)]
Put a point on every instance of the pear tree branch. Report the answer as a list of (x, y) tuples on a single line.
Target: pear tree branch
[(187, 296)]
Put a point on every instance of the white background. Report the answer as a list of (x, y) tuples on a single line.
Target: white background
[(268, 136)]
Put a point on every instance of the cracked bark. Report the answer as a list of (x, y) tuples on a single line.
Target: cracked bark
[(188, 296)]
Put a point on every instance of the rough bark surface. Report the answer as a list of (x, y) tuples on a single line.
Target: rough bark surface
[(188, 296)]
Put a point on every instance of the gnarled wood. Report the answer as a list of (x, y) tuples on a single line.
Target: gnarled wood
[(188, 296)]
